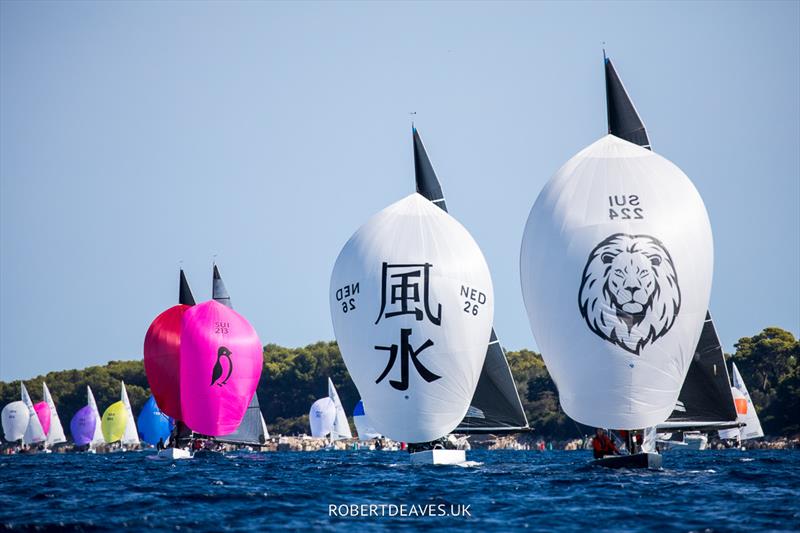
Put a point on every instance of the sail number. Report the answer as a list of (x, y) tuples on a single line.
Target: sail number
[(625, 207), (222, 328), (474, 300), (346, 297)]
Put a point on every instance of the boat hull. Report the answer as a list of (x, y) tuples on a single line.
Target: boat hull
[(438, 457), (174, 454), (651, 461)]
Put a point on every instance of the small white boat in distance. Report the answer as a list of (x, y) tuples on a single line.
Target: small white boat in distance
[(174, 454), (438, 457)]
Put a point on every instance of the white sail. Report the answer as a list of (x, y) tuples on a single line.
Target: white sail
[(341, 428), (131, 436), (616, 267), (364, 427), (745, 410), (34, 433), (97, 439), (252, 429), (321, 417), (412, 306), (56, 433), (15, 419)]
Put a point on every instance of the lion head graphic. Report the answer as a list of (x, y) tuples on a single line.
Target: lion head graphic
[(629, 292)]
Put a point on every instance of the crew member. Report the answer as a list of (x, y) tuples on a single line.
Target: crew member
[(603, 445)]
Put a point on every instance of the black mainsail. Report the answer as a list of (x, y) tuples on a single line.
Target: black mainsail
[(495, 406), (705, 400), (184, 292), (218, 291)]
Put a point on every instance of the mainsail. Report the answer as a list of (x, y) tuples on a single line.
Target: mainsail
[(98, 431), (495, 406), (705, 400), (218, 290), (34, 433), (56, 433), (341, 428), (131, 436), (252, 430), (397, 298)]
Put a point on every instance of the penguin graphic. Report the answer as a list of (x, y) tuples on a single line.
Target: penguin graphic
[(217, 372)]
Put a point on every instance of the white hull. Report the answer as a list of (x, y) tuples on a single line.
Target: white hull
[(690, 442), (438, 457), (173, 454)]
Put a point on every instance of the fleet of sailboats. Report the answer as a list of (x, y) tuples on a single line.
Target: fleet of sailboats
[(627, 336)]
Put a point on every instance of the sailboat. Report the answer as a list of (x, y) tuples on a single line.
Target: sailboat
[(162, 344), (34, 433), (746, 412), (705, 402), (397, 298), (15, 420), (55, 433), (495, 406), (616, 265), (252, 431), (154, 426)]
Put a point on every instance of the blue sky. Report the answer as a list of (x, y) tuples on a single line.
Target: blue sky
[(137, 135)]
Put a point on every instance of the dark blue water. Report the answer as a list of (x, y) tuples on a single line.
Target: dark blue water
[(714, 490)]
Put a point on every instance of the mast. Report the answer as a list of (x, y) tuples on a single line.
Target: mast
[(705, 401), (496, 406)]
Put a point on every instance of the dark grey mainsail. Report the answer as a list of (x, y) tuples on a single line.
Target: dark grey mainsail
[(184, 292), (706, 393), (218, 290), (252, 430), (623, 119), (495, 406), (705, 399)]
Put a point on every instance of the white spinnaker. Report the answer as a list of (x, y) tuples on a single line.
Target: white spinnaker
[(34, 433), (131, 436), (341, 428), (56, 433), (98, 431), (15, 419), (752, 425), (321, 417), (616, 222), (412, 306)]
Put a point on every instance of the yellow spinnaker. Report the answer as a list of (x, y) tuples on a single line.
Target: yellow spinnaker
[(114, 421)]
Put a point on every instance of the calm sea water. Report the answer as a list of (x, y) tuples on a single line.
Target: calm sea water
[(712, 490)]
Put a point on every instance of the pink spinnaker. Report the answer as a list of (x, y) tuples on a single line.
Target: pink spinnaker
[(43, 413), (162, 359), (220, 365)]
